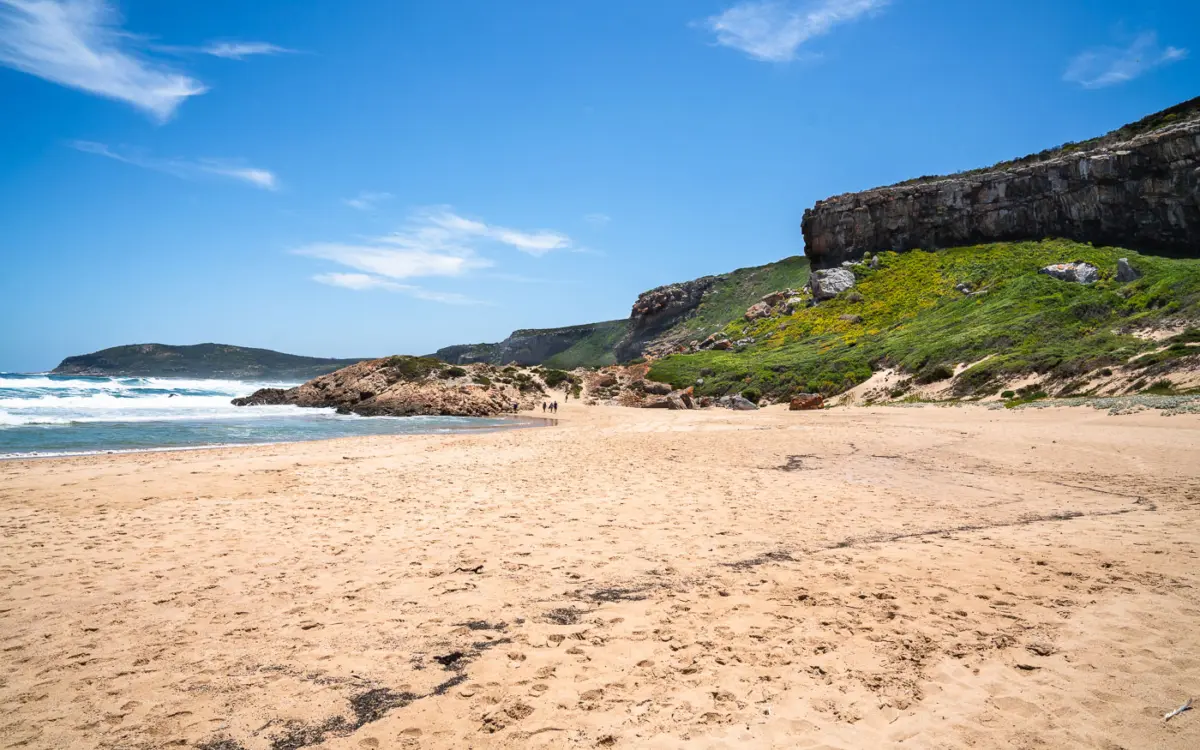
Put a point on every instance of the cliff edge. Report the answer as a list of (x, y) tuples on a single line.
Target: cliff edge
[(1137, 187)]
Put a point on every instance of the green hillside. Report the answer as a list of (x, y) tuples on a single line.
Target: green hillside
[(738, 290), (199, 361), (596, 350), (724, 302), (908, 314)]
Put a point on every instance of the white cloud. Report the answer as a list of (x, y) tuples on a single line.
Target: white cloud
[(258, 177), (773, 30), (436, 242), (242, 50), (1107, 66), (183, 168), (366, 201), (79, 43), (362, 282), (460, 229), (598, 220), (412, 262)]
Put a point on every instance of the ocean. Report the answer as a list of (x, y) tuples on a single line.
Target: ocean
[(48, 415)]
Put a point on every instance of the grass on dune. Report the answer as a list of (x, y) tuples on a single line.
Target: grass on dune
[(908, 314)]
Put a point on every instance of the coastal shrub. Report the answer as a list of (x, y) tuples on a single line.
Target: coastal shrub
[(483, 380), (452, 372), (935, 374), (555, 378), (1008, 394), (414, 368), (1161, 388), (752, 395), (1025, 398)]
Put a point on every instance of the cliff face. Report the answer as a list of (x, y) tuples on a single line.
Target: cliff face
[(1142, 193), (658, 310)]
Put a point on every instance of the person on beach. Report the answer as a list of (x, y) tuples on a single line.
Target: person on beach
[(543, 407)]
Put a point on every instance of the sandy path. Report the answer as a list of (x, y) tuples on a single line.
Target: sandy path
[(630, 578)]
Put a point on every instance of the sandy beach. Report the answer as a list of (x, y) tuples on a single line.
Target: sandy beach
[(912, 577)]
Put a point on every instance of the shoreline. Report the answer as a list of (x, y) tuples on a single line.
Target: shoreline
[(636, 577), (545, 422)]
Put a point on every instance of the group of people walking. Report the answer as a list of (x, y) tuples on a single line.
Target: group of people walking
[(550, 406)]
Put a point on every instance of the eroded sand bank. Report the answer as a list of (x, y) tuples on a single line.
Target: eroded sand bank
[(630, 578)]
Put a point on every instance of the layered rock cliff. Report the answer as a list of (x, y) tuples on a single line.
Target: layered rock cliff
[(658, 310), (1138, 188)]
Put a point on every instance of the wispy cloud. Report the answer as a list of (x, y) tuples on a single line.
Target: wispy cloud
[(407, 263), (79, 43), (598, 220), (1107, 66), (183, 168), (366, 201), (361, 282), (773, 30), (242, 50), (435, 242), (537, 242)]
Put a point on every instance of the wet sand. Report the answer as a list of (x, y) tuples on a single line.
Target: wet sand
[(932, 577)]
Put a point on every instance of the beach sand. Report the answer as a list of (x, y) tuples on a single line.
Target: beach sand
[(924, 577)]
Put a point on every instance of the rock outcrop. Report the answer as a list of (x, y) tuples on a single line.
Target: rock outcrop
[(1138, 187), (1126, 272), (659, 309), (410, 386), (1077, 272), (806, 402), (830, 283)]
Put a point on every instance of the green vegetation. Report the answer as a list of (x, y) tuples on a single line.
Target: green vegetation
[(199, 361), (594, 344), (414, 368), (454, 371), (738, 290), (913, 318), (555, 378), (593, 350)]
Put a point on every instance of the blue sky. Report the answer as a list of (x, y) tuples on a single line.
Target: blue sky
[(379, 176)]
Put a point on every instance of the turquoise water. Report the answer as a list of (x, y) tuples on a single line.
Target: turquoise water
[(43, 415)]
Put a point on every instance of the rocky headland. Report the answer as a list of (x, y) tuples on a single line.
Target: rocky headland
[(414, 386), (197, 361), (1137, 188)]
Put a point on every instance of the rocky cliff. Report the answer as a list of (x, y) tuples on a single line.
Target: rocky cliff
[(657, 311), (1138, 188)]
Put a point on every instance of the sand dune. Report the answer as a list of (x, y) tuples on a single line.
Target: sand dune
[(934, 578)]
